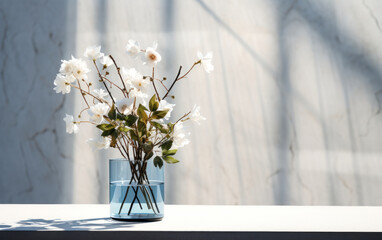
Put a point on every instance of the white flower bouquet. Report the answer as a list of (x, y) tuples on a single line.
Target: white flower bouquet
[(136, 124)]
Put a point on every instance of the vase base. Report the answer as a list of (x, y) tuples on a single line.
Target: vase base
[(138, 219)]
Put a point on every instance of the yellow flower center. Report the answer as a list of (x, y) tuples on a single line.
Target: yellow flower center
[(152, 57)]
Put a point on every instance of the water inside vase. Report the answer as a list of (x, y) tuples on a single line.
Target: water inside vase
[(142, 201)]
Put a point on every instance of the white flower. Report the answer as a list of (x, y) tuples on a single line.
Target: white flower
[(151, 56), (139, 95), (80, 69), (75, 67), (67, 67), (71, 127), (195, 115), (164, 105), (100, 143), (206, 61), (179, 136), (133, 48), (135, 80), (130, 75), (100, 93), (62, 83), (93, 53), (97, 112), (124, 106), (140, 84), (106, 61)]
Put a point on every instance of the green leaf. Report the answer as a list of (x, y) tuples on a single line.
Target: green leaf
[(170, 127), (148, 156), (158, 162), (108, 132), (160, 127), (141, 113), (148, 147), (166, 145), (156, 106), (120, 116), (159, 114), (153, 104), (133, 135), (164, 130), (124, 129), (170, 160), (130, 120), (156, 125), (169, 152), (105, 126), (114, 137), (112, 113), (141, 128)]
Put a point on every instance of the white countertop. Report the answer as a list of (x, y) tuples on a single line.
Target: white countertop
[(194, 218)]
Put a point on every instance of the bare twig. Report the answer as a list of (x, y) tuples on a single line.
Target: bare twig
[(178, 78), (79, 85), (100, 76), (173, 83), (152, 80), (119, 74)]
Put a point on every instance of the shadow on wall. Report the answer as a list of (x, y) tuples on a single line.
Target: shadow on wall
[(348, 61), (36, 165)]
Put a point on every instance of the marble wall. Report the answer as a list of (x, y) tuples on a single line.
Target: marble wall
[(293, 107)]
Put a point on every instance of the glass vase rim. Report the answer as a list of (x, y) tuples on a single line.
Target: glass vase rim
[(125, 159)]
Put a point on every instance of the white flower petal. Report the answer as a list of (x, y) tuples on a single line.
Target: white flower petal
[(139, 95), (125, 106), (106, 61), (71, 127), (195, 115), (97, 112), (200, 55), (100, 93), (93, 53), (206, 61), (133, 48), (151, 56), (179, 136), (164, 105), (155, 45), (62, 83), (100, 143)]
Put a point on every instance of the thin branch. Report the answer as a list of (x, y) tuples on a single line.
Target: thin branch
[(152, 80), (88, 93), (124, 149), (113, 83), (119, 74), (85, 122), (178, 78), (173, 83), (84, 110), (100, 76), (196, 63), (120, 151), (162, 84), (79, 85), (185, 115)]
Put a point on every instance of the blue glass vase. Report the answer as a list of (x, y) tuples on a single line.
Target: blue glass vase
[(136, 190)]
